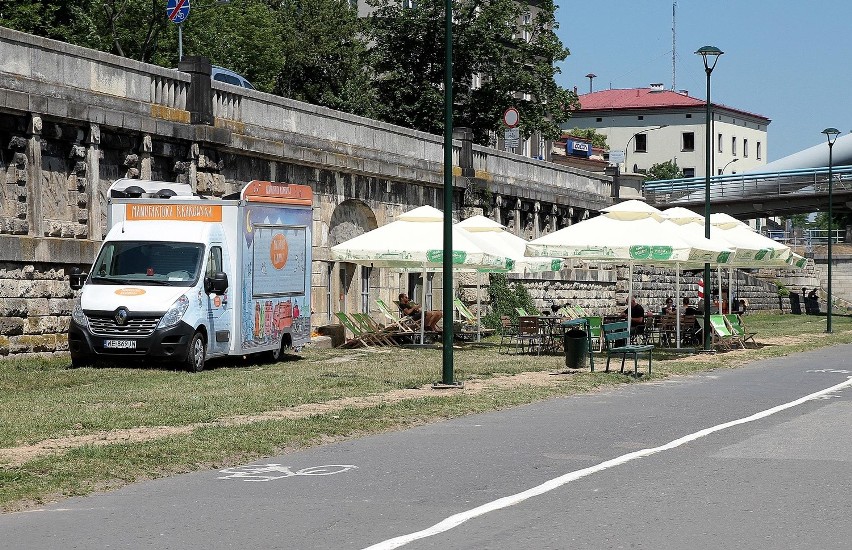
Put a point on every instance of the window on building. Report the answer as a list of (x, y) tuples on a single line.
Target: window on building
[(527, 21), (640, 117), (689, 172), (734, 145), (688, 115), (720, 143), (688, 141), (758, 152), (641, 144), (410, 4), (366, 271), (599, 120), (353, 4), (745, 147)]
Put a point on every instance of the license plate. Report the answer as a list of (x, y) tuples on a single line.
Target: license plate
[(120, 344)]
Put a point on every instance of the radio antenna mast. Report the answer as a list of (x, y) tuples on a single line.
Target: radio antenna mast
[(674, 48)]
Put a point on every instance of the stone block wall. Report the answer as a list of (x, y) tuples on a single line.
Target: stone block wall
[(35, 299)]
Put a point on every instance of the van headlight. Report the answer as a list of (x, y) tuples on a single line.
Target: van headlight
[(175, 313), (78, 316)]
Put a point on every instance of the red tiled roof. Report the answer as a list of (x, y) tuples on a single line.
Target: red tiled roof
[(644, 98)]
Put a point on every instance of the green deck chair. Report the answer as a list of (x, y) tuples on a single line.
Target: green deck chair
[(722, 336), (738, 329), (403, 323)]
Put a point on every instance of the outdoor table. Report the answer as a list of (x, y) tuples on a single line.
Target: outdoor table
[(582, 323), (549, 325)]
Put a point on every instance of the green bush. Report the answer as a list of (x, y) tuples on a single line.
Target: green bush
[(504, 299)]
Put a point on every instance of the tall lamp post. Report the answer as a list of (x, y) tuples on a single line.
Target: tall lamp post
[(729, 163), (710, 55), (627, 145), (831, 134)]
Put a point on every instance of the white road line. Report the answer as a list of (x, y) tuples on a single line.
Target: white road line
[(505, 502)]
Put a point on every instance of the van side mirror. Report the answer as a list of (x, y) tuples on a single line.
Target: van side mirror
[(77, 278), (217, 284)]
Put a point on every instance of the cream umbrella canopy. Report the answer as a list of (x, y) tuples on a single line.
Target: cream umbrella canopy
[(495, 238), (631, 233), (415, 241)]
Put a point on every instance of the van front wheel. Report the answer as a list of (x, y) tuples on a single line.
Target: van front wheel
[(196, 353)]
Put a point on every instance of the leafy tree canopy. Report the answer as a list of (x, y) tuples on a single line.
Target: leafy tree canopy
[(503, 56), (598, 140), (664, 171)]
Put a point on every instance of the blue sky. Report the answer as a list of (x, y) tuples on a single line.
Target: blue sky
[(790, 61)]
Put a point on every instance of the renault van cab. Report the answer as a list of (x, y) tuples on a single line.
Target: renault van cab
[(185, 278)]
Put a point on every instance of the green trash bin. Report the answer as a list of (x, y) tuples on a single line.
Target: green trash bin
[(576, 346)]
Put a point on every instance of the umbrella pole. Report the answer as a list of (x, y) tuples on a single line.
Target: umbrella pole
[(629, 299), (478, 308), (677, 303), (719, 278), (422, 306), (730, 290)]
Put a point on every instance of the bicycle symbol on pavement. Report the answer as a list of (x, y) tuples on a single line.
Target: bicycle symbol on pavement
[(271, 472)]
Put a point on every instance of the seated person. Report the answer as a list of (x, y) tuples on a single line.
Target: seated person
[(688, 309), (669, 307), (637, 317), (407, 307)]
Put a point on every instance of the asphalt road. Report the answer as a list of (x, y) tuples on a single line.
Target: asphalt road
[(729, 459)]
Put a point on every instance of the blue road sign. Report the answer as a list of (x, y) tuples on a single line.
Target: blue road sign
[(177, 11)]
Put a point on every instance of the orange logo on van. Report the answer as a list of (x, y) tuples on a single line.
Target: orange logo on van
[(278, 251), (130, 292)]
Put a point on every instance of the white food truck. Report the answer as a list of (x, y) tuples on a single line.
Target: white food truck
[(186, 278)]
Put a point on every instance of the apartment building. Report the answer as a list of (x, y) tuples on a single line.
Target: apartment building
[(653, 125)]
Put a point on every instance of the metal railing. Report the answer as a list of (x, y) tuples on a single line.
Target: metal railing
[(807, 181), (807, 237)]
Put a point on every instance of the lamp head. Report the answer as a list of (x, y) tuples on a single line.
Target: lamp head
[(831, 134), (710, 54)]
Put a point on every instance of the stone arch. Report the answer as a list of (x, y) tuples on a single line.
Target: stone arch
[(350, 218)]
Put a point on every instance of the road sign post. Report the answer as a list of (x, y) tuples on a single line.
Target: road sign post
[(177, 11), (512, 136)]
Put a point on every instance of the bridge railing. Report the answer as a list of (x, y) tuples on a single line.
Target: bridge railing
[(807, 237), (804, 181)]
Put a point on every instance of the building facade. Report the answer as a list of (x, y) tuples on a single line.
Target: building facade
[(653, 125)]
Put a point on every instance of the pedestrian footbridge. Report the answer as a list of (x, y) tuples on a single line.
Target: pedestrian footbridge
[(753, 195), (795, 184)]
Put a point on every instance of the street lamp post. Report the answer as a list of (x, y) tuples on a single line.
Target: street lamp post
[(729, 163), (710, 55), (627, 145), (831, 134)]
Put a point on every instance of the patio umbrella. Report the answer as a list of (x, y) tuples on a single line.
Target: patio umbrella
[(623, 235), (416, 240), (496, 239)]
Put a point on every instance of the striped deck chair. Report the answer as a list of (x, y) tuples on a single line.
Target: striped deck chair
[(370, 327), (722, 336), (402, 322)]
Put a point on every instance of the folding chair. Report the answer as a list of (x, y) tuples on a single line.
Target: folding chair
[(508, 333), (403, 323), (470, 320), (595, 323), (737, 327), (372, 328), (529, 333), (359, 336), (722, 336)]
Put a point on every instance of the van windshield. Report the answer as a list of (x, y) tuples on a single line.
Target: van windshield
[(148, 263)]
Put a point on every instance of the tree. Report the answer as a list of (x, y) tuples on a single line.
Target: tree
[(324, 57), (598, 140), (664, 171), (503, 56)]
